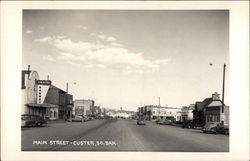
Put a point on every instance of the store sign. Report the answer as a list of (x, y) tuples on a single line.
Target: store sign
[(43, 82)]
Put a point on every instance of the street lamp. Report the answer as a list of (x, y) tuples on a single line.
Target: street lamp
[(67, 91)]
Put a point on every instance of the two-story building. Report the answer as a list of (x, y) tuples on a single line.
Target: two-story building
[(211, 110), (83, 107), (40, 97)]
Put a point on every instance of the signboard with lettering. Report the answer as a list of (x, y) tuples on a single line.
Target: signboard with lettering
[(43, 82)]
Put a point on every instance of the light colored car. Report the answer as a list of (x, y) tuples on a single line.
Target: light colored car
[(210, 127), (86, 118), (141, 122), (77, 119)]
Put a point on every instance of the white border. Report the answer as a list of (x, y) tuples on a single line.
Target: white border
[(11, 51)]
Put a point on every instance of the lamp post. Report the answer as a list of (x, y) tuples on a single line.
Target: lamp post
[(67, 91)]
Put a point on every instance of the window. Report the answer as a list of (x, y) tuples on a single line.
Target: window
[(210, 118)]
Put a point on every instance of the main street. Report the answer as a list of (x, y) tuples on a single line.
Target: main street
[(120, 135)]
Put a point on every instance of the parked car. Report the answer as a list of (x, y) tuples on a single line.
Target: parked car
[(188, 124), (86, 118), (77, 118), (222, 129), (165, 122), (29, 120), (210, 127), (141, 122), (157, 121)]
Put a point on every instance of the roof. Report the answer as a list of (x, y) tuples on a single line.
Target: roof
[(54, 87), (199, 106), (207, 101), (215, 103)]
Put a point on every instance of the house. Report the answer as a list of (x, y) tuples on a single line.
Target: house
[(211, 110)]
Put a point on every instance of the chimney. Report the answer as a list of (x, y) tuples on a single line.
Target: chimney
[(215, 96), (47, 77), (28, 67)]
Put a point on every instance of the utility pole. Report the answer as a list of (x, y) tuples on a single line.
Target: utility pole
[(159, 104), (223, 90), (66, 103)]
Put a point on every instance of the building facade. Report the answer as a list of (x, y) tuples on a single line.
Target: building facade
[(84, 107), (40, 97), (187, 113), (151, 112), (29, 93), (211, 110)]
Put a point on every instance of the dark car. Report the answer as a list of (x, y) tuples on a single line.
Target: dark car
[(29, 120), (188, 124), (222, 129), (141, 122)]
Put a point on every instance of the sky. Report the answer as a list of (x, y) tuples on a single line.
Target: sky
[(130, 58)]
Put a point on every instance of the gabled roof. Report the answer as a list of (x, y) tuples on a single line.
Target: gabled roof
[(207, 101), (215, 103)]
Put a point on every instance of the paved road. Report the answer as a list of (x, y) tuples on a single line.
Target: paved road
[(120, 135)]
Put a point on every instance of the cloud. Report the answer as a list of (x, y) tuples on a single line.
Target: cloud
[(104, 37), (116, 44), (74, 63), (49, 58), (94, 54), (29, 32), (45, 39), (41, 27), (81, 27)]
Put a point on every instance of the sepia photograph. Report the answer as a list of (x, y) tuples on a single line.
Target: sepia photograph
[(125, 80)]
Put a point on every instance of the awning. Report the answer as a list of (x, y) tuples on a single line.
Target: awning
[(215, 103), (44, 105)]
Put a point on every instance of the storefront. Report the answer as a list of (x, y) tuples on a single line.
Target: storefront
[(48, 111)]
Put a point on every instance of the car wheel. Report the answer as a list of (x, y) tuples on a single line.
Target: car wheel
[(38, 124)]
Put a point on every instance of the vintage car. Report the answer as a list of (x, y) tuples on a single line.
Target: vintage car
[(188, 124), (165, 122), (222, 129), (141, 122), (29, 120), (210, 127), (76, 119)]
